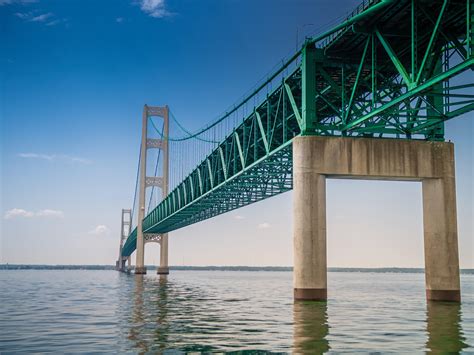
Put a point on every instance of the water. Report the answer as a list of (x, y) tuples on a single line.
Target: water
[(106, 311)]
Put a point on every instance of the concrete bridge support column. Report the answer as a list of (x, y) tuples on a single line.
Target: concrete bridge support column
[(316, 158), (310, 266), (163, 269), (122, 265), (441, 239)]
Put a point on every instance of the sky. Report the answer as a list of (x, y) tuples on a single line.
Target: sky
[(74, 78)]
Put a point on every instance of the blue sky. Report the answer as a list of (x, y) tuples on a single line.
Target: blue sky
[(74, 77)]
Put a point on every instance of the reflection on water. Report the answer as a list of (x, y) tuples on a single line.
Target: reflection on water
[(162, 324), (138, 317), (195, 315), (206, 311), (218, 312), (444, 328), (149, 324), (310, 328)]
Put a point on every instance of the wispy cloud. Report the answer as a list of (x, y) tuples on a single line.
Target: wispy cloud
[(55, 157), (239, 217), (36, 156), (264, 225), (100, 230), (154, 8), (23, 15), (47, 18), (19, 212), (42, 17), (57, 22), (32, 17), (50, 213), (10, 2)]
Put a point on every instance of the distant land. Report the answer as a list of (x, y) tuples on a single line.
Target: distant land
[(218, 268)]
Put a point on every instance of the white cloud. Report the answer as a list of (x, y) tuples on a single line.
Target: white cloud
[(10, 2), (50, 213), (36, 156), (100, 230), (55, 22), (19, 212), (42, 17), (264, 225), (47, 18), (31, 17), (239, 217), (154, 8), (55, 157), (119, 19), (23, 15)]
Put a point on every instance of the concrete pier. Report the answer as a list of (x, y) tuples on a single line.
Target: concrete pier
[(432, 163), (163, 269)]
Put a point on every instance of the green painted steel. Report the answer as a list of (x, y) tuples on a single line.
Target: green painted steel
[(393, 69)]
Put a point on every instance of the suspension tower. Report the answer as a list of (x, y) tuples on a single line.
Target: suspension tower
[(149, 181), (126, 226)]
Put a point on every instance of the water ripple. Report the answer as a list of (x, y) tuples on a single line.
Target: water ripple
[(205, 311)]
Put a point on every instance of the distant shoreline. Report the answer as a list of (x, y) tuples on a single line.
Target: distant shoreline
[(218, 268)]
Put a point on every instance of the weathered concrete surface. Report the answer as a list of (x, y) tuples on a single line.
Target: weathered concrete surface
[(315, 158), (310, 265), (140, 270), (441, 239), (164, 269)]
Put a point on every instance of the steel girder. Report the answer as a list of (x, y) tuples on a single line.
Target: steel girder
[(392, 69)]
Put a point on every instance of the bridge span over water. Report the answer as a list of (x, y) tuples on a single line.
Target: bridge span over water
[(366, 99)]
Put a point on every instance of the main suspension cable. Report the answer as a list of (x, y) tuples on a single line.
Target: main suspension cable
[(136, 188)]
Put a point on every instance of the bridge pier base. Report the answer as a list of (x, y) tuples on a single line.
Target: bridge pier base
[(432, 163), (163, 269), (140, 270)]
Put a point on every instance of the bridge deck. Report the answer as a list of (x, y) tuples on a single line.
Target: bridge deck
[(385, 72)]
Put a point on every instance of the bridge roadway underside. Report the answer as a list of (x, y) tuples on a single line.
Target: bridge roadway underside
[(269, 176)]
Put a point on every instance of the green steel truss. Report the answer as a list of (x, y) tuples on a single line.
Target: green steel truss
[(391, 70)]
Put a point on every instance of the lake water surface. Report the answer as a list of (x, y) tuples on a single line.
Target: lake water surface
[(107, 311)]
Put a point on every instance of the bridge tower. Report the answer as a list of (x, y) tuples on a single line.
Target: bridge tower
[(148, 181), (126, 226)]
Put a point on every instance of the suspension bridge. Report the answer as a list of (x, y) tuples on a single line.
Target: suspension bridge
[(365, 99)]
